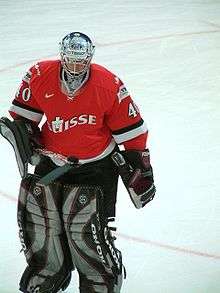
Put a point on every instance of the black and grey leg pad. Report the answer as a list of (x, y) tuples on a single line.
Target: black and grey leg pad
[(43, 238), (92, 247)]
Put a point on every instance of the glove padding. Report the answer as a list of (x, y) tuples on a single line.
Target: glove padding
[(137, 175), (20, 135)]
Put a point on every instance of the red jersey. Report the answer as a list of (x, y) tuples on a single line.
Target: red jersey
[(87, 125)]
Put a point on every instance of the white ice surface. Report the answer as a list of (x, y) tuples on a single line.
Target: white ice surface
[(167, 53)]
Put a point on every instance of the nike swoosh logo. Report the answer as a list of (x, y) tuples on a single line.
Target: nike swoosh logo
[(48, 95)]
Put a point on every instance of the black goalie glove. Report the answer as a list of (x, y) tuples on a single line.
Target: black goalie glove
[(137, 175), (22, 135)]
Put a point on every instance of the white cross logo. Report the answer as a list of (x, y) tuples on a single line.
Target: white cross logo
[(57, 125)]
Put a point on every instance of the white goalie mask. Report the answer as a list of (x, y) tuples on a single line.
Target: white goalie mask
[(76, 51)]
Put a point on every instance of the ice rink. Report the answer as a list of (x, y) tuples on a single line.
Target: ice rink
[(168, 55)]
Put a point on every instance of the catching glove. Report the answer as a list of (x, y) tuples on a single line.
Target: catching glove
[(137, 175)]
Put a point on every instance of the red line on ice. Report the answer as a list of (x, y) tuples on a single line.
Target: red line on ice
[(168, 246), (132, 41), (7, 196)]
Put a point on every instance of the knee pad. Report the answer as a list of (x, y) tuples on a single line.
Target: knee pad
[(42, 237), (94, 254)]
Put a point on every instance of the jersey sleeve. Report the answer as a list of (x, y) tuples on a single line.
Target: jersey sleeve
[(124, 118), (24, 103), (137, 143)]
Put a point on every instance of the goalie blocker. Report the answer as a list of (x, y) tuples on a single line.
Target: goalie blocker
[(137, 175), (18, 133)]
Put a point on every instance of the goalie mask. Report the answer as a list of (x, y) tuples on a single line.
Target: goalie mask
[(76, 51)]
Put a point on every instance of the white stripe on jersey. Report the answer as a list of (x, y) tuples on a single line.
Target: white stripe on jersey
[(120, 138), (26, 113), (61, 160)]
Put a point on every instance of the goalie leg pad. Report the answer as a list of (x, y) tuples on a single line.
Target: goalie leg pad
[(42, 237), (94, 254)]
